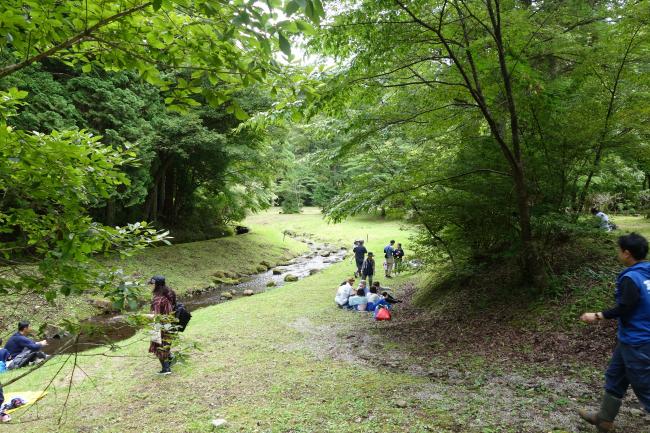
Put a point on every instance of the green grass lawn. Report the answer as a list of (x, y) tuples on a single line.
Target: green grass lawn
[(633, 224), (262, 362), (288, 361)]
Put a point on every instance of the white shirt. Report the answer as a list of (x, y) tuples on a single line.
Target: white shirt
[(373, 297), (343, 293), (604, 220)]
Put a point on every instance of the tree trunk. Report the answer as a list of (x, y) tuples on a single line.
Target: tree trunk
[(532, 269), (110, 212), (169, 190)]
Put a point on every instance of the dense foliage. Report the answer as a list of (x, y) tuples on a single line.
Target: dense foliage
[(131, 113), (492, 123)]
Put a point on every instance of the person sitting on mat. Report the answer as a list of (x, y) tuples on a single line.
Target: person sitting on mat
[(343, 293), (359, 301), (364, 286), (23, 349)]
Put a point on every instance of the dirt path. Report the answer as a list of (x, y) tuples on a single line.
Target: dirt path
[(509, 387)]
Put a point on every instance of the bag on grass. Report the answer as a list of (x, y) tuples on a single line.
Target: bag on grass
[(382, 313)]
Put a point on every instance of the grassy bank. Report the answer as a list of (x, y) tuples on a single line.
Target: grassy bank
[(194, 265), (288, 361), (188, 266), (269, 363)]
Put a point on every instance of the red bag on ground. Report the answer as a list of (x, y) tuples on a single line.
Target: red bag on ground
[(382, 314)]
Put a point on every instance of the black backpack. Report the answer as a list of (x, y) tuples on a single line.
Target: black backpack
[(183, 316)]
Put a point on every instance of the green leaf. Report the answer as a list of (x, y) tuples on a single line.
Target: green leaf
[(157, 4), (87, 68), (318, 8), (285, 46), (291, 8), (240, 114)]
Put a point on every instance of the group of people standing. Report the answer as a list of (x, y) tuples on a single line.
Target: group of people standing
[(365, 260)]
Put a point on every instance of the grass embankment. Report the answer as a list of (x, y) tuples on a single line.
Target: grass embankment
[(193, 266), (187, 267)]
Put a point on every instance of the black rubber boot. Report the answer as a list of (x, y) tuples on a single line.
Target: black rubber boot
[(604, 419), (165, 367)]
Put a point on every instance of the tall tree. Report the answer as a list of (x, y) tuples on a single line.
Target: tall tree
[(509, 77)]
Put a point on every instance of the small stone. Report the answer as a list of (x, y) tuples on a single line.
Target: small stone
[(261, 268), (226, 295), (401, 404), (267, 264), (220, 422), (325, 253), (277, 271), (313, 271), (636, 412), (271, 284), (290, 278), (248, 292)]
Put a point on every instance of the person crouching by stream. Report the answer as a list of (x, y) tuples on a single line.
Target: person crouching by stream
[(630, 363), (162, 304)]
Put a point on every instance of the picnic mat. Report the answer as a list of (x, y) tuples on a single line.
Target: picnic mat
[(30, 397)]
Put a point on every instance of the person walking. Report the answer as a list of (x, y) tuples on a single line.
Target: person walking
[(162, 307), (399, 257), (630, 362), (390, 258), (360, 252), (368, 268)]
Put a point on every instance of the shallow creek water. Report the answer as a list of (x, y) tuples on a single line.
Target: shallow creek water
[(109, 328)]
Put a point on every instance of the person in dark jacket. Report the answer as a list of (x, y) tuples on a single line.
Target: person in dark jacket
[(368, 268), (21, 346), (398, 253), (359, 256), (162, 307), (630, 363)]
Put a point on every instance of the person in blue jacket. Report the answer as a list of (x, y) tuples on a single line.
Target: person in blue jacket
[(630, 363), (20, 342)]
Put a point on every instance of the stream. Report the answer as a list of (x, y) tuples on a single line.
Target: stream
[(111, 328)]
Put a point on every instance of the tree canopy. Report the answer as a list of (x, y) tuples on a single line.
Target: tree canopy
[(488, 121)]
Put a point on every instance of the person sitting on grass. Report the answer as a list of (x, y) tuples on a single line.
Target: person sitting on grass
[(5, 356), (4, 417), (374, 299), (343, 293), (23, 349), (364, 286), (385, 295), (359, 301)]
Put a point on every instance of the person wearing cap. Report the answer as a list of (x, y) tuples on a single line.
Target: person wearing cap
[(390, 259), (162, 304), (368, 268), (630, 362)]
